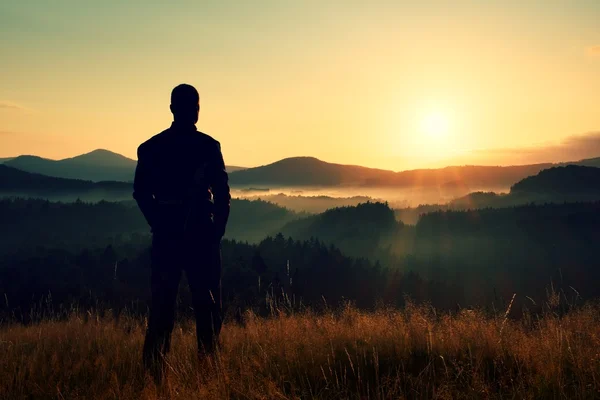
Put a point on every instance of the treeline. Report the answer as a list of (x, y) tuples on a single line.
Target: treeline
[(99, 252), (310, 203), (571, 179), (571, 184), (27, 223), (15, 182), (519, 249), (358, 231), (489, 253), (278, 272)]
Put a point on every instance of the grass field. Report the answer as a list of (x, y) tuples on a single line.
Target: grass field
[(387, 354)]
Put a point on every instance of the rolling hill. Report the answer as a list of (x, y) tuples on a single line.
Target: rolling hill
[(14, 182), (311, 204), (571, 179), (249, 220), (309, 171), (357, 230), (570, 183), (98, 165), (589, 162), (104, 165)]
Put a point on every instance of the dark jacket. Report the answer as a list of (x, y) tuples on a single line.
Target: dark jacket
[(181, 184)]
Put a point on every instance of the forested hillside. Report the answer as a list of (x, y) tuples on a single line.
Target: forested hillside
[(569, 180), (28, 223), (15, 182), (358, 231), (466, 258)]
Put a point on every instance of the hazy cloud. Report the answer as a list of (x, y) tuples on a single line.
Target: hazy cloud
[(594, 50), (10, 106), (572, 148)]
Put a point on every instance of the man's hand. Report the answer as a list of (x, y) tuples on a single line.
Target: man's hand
[(220, 191)]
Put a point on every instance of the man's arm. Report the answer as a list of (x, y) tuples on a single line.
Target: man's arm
[(142, 190), (219, 184)]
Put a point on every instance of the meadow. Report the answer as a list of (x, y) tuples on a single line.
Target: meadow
[(414, 352)]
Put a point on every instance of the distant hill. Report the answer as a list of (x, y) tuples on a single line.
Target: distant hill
[(571, 179), (104, 165), (253, 220), (249, 220), (100, 157), (311, 204), (5, 159), (357, 230), (98, 165), (476, 200), (570, 183), (14, 182), (590, 162), (310, 171), (472, 176)]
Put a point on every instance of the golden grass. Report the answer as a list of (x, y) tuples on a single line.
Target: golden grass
[(387, 354)]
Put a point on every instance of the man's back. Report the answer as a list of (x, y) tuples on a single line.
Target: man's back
[(179, 172)]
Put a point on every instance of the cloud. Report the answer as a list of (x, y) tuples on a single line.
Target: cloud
[(7, 105), (572, 148), (589, 142), (593, 51)]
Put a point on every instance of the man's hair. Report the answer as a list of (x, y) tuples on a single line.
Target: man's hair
[(184, 97)]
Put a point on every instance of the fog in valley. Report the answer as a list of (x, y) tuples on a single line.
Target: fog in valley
[(319, 199)]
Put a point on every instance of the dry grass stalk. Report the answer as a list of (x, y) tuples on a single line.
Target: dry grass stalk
[(412, 353)]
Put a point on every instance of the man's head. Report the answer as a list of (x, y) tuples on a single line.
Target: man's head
[(185, 103)]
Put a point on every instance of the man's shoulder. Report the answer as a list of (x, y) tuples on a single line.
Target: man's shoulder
[(155, 142), (209, 140)]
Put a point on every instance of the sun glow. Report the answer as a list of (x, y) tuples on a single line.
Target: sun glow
[(435, 125), (435, 135)]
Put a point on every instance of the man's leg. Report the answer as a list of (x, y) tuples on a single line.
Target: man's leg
[(164, 283), (204, 277)]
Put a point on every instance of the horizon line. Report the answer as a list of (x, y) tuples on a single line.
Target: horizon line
[(9, 158)]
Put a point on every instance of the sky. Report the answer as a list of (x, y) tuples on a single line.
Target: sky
[(387, 84)]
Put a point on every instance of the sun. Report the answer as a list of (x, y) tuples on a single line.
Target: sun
[(433, 134), (435, 125)]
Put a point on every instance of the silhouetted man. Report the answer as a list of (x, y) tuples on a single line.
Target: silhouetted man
[(181, 188)]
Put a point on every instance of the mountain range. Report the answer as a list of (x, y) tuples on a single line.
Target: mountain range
[(15, 182), (98, 165), (104, 165), (569, 183), (310, 171)]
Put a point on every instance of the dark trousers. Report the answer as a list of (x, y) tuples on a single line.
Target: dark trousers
[(200, 258)]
